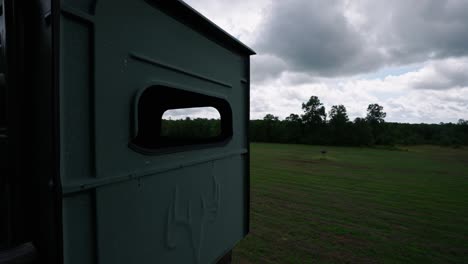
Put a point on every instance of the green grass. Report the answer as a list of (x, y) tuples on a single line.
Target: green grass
[(357, 205)]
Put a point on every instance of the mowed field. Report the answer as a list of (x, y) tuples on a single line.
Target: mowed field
[(357, 205)]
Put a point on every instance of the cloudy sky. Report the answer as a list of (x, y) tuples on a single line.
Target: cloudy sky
[(411, 57)]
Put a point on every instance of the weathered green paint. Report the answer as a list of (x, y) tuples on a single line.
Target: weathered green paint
[(120, 206)]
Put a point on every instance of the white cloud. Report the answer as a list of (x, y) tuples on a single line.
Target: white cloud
[(192, 113), (333, 49), (401, 96), (238, 18), (441, 75)]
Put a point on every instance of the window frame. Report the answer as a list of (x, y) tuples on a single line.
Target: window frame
[(189, 98)]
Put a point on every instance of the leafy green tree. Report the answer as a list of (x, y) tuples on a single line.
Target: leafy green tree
[(338, 125), (375, 114), (362, 132), (462, 129), (270, 117), (294, 129), (375, 117), (314, 112), (271, 123), (338, 115), (294, 118)]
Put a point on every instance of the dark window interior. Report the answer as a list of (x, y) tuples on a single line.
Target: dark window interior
[(3, 123), (170, 117), (3, 104), (3, 142), (3, 167)]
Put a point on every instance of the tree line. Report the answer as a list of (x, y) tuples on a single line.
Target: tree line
[(193, 128), (314, 126)]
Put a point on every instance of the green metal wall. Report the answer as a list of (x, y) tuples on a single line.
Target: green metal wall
[(120, 206)]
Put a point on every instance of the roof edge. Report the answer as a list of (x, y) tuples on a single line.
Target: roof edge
[(194, 19)]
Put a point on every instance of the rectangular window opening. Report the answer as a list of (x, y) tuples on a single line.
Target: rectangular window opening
[(170, 118), (191, 123)]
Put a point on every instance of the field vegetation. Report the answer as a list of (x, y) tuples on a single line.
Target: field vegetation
[(357, 205)]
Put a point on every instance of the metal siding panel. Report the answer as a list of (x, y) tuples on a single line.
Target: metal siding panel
[(78, 229), (119, 78), (136, 223), (101, 77), (86, 6), (76, 101)]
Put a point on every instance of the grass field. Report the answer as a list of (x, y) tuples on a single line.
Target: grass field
[(357, 205)]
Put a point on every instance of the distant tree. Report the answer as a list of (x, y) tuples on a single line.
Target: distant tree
[(314, 112), (293, 118), (375, 114), (270, 124), (338, 126), (375, 117), (338, 114), (270, 117), (462, 130), (293, 129), (362, 132)]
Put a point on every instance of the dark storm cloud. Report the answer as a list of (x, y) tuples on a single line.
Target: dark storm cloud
[(413, 31), (267, 66), (314, 36), (321, 38)]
